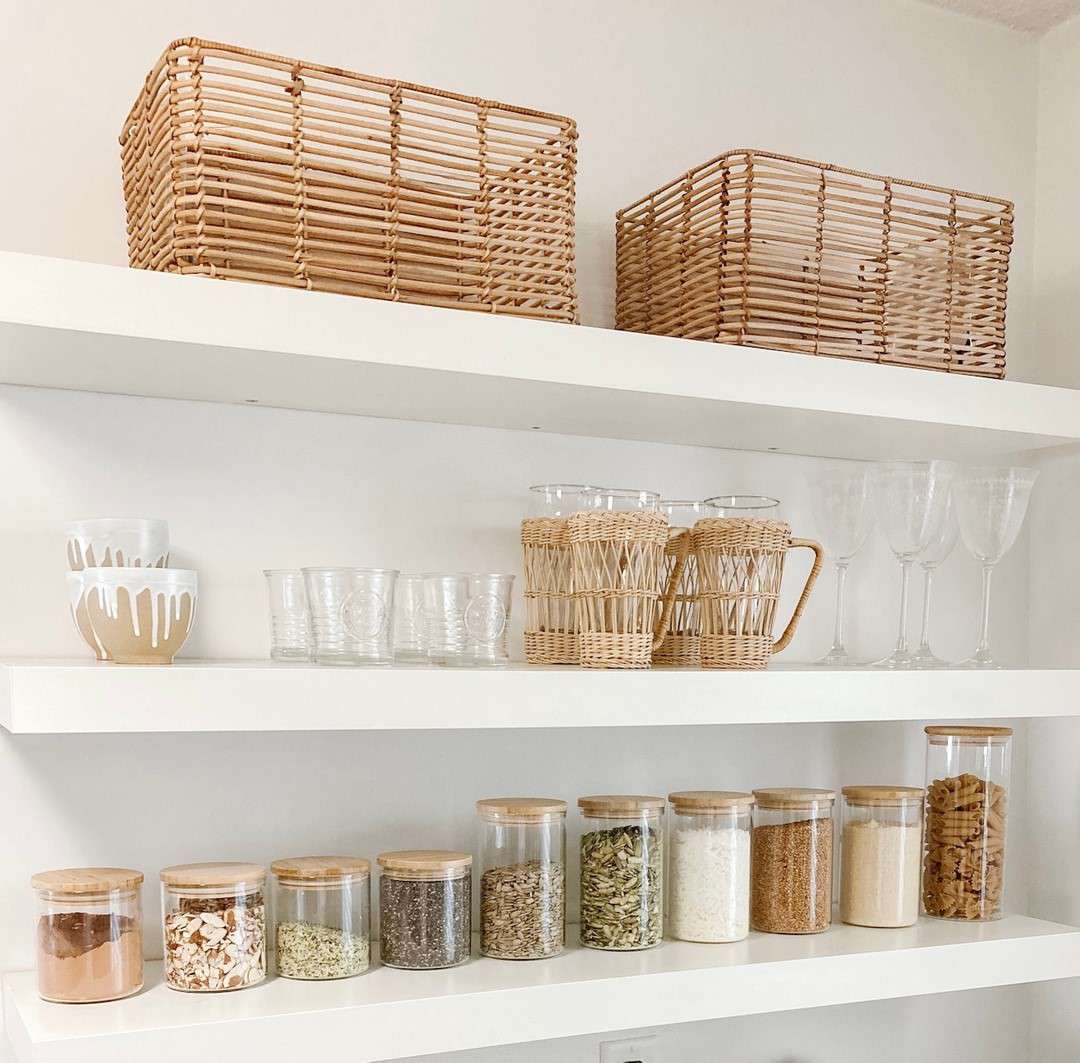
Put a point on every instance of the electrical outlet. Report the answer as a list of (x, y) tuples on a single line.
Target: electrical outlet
[(633, 1050)]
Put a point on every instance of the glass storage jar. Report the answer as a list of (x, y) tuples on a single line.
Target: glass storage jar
[(522, 877), (622, 871), (425, 908), (214, 918), (791, 861), (709, 865), (967, 778), (881, 855), (89, 934), (322, 907)]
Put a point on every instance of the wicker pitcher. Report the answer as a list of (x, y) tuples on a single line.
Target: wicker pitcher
[(618, 573), (681, 647), (740, 565)]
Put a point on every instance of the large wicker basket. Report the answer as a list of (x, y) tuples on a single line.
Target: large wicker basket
[(254, 167), (772, 251)]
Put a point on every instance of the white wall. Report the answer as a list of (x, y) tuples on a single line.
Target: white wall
[(1054, 749), (890, 86)]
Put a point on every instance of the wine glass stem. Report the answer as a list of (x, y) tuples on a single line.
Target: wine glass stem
[(905, 579), (984, 634), (841, 584), (928, 583)]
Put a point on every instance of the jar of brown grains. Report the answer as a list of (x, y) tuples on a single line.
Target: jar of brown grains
[(89, 934), (792, 860), (523, 877), (425, 908), (214, 918)]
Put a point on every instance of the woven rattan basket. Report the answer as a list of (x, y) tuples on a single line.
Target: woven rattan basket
[(250, 166), (772, 251)]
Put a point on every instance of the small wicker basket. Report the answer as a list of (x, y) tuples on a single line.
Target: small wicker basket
[(251, 166), (773, 251)]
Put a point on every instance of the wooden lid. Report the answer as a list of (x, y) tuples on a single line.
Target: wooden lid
[(320, 868), (521, 809), (80, 881), (615, 806), (702, 801), (969, 734), (793, 797), (426, 863), (203, 876), (882, 795)]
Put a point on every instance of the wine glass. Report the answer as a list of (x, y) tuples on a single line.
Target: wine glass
[(991, 503), (843, 509), (910, 498), (935, 553)]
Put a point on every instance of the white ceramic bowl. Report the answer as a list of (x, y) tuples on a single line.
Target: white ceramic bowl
[(77, 601), (140, 615), (133, 542)]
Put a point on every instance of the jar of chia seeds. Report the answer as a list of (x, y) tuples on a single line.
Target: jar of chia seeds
[(425, 908), (322, 907), (622, 871)]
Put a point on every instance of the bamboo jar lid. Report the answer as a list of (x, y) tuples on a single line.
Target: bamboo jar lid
[(521, 809), (321, 868), (883, 795), (425, 863), (81, 881), (689, 802), (939, 734), (620, 806), (218, 873), (793, 797)]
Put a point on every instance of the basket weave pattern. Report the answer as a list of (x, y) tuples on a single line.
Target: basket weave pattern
[(772, 251), (681, 647), (550, 620), (740, 569), (251, 166)]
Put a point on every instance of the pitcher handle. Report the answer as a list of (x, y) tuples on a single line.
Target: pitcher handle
[(793, 623), (681, 543)]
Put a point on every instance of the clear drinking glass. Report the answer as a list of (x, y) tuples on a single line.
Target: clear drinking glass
[(487, 618), (621, 500), (409, 634), (991, 504), (910, 499), (752, 506), (843, 508), (351, 611), (445, 597), (560, 500), (290, 620), (935, 553)]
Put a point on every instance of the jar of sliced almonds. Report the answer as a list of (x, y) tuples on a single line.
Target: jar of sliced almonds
[(622, 871), (215, 926), (967, 779), (523, 877)]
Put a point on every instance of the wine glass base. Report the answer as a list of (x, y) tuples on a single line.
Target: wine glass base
[(898, 659), (926, 659), (837, 659), (980, 662)]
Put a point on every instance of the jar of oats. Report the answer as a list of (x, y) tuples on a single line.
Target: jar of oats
[(523, 877), (622, 871), (322, 914), (425, 908), (967, 791), (214, 919), (791, 861)]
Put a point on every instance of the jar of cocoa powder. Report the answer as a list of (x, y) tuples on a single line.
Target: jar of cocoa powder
[(215, 926), (89, 934)]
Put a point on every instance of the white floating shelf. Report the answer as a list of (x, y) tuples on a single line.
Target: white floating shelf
[(84, 697), (386, 1014), (90, 327)]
